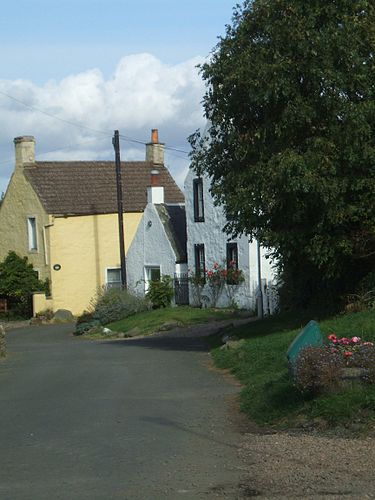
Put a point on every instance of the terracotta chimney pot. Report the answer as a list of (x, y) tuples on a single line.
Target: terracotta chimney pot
[(154, 136)]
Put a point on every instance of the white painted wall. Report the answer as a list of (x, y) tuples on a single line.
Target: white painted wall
[(150, 247), (210, 233)]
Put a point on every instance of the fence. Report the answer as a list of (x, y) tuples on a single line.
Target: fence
[(181, 289), (11, 307)]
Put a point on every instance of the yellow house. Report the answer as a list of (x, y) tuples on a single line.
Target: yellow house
[(63, 216)]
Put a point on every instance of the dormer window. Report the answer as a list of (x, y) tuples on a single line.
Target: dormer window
[(198, 200)]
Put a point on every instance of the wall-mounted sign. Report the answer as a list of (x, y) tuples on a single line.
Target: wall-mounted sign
[(57, 267)]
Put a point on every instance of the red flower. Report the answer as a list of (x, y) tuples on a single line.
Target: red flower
[(348, 353), (332, 337), (344, 341)]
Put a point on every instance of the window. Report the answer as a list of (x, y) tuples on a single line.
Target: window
[(198, 200), (200, 262), (31, 229), (232, 257), (152, 273), (114, 278)]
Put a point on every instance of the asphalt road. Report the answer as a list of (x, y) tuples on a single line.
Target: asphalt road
[(130, 419)]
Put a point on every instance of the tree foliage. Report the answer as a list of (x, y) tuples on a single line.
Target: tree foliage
[(18, 278), (290, 145)]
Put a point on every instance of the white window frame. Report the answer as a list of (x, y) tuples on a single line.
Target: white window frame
[(147, 269), (112, 284), (32, 232)]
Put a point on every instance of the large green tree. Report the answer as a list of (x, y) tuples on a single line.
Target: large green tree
[(290, 145)]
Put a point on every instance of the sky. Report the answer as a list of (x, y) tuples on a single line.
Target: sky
[(73, 71)]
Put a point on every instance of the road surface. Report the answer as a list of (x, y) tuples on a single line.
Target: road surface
[(125, 419)]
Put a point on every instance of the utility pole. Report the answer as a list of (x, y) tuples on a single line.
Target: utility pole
[(120, 208)]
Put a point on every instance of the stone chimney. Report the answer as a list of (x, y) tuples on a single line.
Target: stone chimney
[(25, 150), (155, 149), (155, 192)]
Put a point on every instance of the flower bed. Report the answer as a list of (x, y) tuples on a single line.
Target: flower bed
[(340, 363)]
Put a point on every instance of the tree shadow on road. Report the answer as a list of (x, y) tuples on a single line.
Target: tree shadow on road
[(164, 342)]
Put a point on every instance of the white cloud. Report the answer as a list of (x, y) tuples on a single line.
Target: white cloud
[(142, 93)]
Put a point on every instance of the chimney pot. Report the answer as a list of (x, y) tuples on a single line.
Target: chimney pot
[(155, 149), (155, 136)]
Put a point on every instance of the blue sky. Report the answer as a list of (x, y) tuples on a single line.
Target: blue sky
[(104, 65), (42, 39)]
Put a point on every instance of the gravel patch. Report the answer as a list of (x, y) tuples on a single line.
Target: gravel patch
[(287, 466)]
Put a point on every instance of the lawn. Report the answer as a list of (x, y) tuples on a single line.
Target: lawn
[(269, 396), (150, 321)]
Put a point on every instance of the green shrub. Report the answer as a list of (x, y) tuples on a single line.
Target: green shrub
[(45, 314), (115, 304), (367, 283), (82, 328), (161, 292), (85, 317)]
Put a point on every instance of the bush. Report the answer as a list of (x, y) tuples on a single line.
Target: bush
[(17, 281), (115, 304), (85, 317), (318, 370), (83, 328), (161, 292), (46, 314)]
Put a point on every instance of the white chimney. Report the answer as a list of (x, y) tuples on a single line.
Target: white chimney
[(25, 150), (155, 149), (155, 192)]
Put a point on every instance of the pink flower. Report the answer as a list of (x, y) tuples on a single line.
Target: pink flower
[(216, 265), (344, 341), (355, 340), (332, 337), (209, 274), (348, 353), (368, 344)]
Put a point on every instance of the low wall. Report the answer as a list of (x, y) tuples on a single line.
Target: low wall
[(41, 303)]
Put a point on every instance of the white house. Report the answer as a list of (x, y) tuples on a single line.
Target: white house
[(207, 244), (159, 245)]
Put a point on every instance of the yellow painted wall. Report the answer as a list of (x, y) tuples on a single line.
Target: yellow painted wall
[(84, 247), (21, 202), (41, 302)]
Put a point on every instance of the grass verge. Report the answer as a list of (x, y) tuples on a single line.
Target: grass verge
[(150, 321), (269, 396)]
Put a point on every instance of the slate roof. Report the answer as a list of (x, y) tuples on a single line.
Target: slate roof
[(173, 218), (89, 187)]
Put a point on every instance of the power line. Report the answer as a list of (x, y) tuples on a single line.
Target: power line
[(84, 127), (71, 146), (54, 116)]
